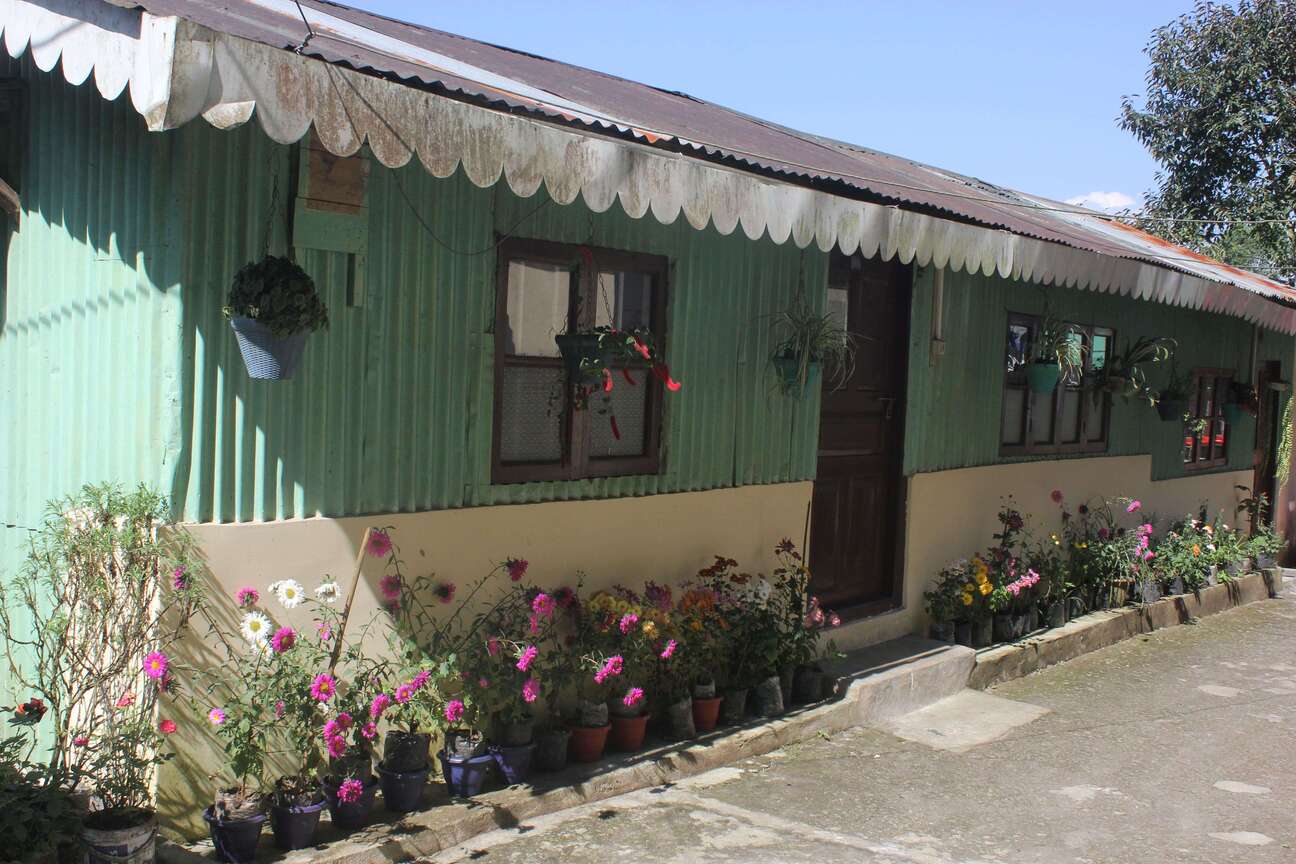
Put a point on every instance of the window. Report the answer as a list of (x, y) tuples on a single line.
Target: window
[(547, 289), (1068, 420), (1205, 441)]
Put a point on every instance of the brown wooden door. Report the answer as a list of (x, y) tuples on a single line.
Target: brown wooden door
[(857, 496)]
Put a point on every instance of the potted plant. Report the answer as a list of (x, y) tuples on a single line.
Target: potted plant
[(1123, 374), (624, 629), (349, 784), (802, 624), (272, 306), (1172, 401), (706, 640), (806, 341), (237, 815), (39, 819), (409, 704), (465, 762), (593, 358), (1056, 352)]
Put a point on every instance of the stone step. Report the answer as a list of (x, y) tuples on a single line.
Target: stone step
[(900, 676)]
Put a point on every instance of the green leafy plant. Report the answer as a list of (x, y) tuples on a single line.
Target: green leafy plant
[(279, 294), (1124, 375), (1061, 343), (36, 817), (804, 337)]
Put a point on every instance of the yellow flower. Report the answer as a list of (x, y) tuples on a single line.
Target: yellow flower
[(696, 625), (967, 599), (981, 578), (986, 588), (1196, 550), (649, 629)]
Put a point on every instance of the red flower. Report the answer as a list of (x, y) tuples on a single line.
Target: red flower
[(663, 374), (642, 349), (616, 430), (607, 380), (166, 727), (516, 568)]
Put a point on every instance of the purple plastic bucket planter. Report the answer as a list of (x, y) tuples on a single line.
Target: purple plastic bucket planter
[(514, 762), (236, 840), (294, 827), (350, 815), (465, 776), (403, 790)]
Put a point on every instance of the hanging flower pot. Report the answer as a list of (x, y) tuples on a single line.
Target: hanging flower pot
[(580, 353), (235, 840), (587, 742), (294, 826), (1171, 408), (1042, 376), (272, 306), (789, 373), (1233, 412)]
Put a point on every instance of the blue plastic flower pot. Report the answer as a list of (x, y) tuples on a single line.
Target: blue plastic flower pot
[(1043, 377), (268, 357), (465, 777), (789, 372), (350, 815), (236, 840), (514, 762), (403, 790)]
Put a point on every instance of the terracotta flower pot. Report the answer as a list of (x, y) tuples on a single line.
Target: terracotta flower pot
[(587, 742), (706, 712), (628, 732)]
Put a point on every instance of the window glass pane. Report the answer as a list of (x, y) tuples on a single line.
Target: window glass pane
[(529, 431), (1098, 353), (1018, 346), (624, 300), (1073, 377), (1221, 434), (839, 306), (1014, 416), (1188, 445), (1070, 431), (1207, 398), (1095, 419), (536, 310), (629, 407), (1042, 420)]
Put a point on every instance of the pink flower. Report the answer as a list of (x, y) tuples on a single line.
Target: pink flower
[(378, 706), (530, 690), (543, 605), (454, 710), (1133, 505), (216, 717), (403, 693), (155, 665), (669, 649), (323, 687), (528, 655), (350, 790), (834, 620), (444, 591), (283, 639), (167, 727), (390, 586), (628, 621), (1056, 495), (179, 578), (420, 679), (534, 625), (247, 597), (492, 646), (633, 697), (611, 667), (324, 631), (380, 545), (126, 700), (336, 746), (369, 731), (1103, 534), (279, 709), (565, 597), (516, 568), (81, 741), (338, 725)]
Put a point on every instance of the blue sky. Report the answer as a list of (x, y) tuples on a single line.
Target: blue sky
[(1023, 94)]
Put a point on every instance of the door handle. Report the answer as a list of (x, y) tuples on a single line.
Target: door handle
[(888, 406)]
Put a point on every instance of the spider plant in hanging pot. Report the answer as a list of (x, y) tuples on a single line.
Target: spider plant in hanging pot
[(1058, 352), (807, 342), (1122, 373), (272, 306)]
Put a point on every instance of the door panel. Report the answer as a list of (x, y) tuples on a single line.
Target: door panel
[(855, 512)]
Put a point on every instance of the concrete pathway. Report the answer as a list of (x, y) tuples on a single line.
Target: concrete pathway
[(1172, 747)]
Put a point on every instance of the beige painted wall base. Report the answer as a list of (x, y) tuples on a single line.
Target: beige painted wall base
[(952, 514)]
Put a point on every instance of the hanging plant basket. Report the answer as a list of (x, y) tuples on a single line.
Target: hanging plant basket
[(1171, 409), (789, 373), (1042, 377), (272, 306), (578, 350)]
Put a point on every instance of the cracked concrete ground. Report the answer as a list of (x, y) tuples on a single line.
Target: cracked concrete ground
[(1173, 747)]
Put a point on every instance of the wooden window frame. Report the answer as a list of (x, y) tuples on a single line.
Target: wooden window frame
[(575, 462), (1029, 447), (1223, 378)]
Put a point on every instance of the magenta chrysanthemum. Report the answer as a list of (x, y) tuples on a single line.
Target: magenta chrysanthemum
[(283, 639), (179, 578), (530, 690), (403, 693), (336, 745), (628, 621), (247, 597), (419, 681), (527, 657), (669, 649), (543, 605), (390, 586), (454, 711), (323, 687), (380, 545), (633, 697), (611, 667), (369, 731), (379, 705), (216, 717), (516, 568), (155, 665), (350, 791)]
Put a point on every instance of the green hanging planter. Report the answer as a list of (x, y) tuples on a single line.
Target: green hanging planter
[(789, 372), (1043, 377)]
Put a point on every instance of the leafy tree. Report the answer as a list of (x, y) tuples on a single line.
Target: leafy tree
[(1220, 118)]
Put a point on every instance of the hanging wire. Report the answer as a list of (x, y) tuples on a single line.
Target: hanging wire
[(310, 31)]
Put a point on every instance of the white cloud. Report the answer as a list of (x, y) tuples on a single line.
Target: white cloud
[(1107, 201)]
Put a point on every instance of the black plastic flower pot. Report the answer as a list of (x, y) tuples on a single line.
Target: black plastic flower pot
[(405, 752), (734, 709), (236, 839), (807, 686), (350, 815), (1173, 409), (403, 790), (551, 749), (294, 827), (514, 762), (268, 357)]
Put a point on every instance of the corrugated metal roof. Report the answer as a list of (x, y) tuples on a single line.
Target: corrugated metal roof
[(561, 93)]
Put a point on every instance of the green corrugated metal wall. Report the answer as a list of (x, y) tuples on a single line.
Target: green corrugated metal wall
[(965, 388), (391, 410)]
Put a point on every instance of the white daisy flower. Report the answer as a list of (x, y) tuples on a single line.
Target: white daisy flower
[(256, 627), (327, 591), (289, 592)]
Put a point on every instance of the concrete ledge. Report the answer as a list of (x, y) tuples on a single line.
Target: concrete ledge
[(1100, 629), (872, 684)]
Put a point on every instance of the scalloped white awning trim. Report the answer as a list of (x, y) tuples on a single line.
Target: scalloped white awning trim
[(177, 71)]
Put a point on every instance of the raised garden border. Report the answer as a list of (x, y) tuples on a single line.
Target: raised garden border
[(1100, 629)]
